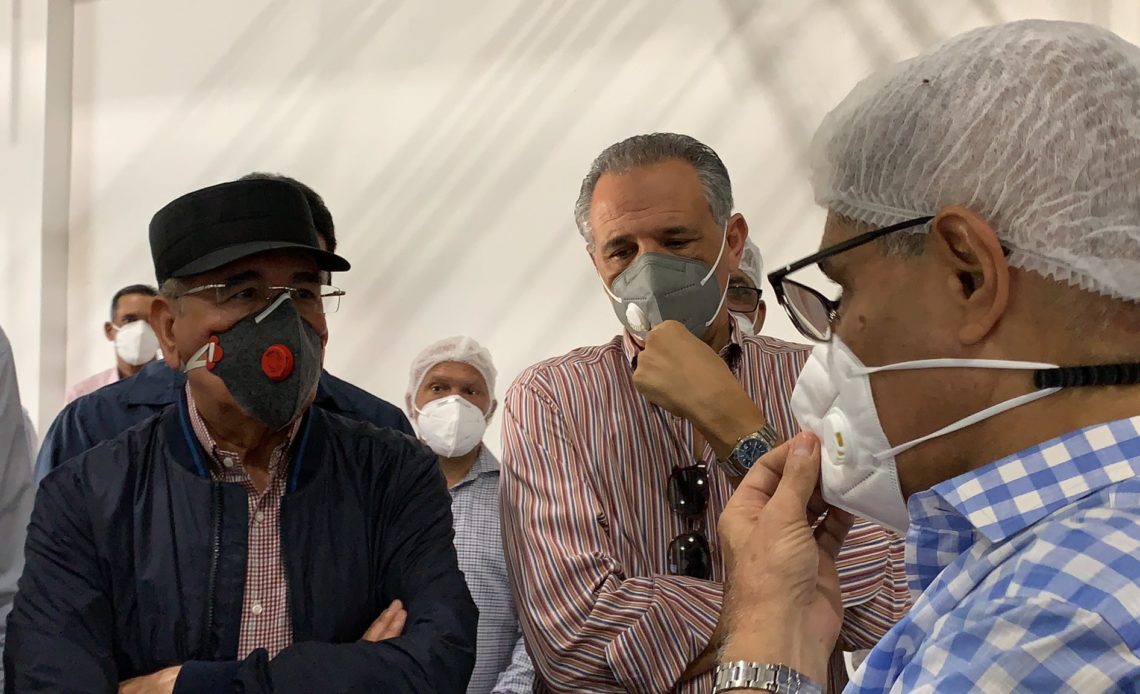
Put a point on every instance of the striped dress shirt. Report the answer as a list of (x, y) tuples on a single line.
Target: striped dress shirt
[(586, 522)]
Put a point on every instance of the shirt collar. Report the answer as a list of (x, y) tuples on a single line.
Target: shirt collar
[(1011, 494), (485, 464), (227, 462), (730, 353)]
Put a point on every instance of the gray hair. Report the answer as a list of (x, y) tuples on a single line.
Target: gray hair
[(172, 288), (646, 150)]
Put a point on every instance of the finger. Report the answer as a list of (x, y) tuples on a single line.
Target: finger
[(396, 628), (801, 473), (833, 531), (382, 624), (816, 507)]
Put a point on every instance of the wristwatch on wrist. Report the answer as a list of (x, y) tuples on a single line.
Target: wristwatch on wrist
[(748, 449), (743, 674)]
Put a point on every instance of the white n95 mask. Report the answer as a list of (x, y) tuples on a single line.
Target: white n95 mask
[(136, 343), (451, 426), (833, 400)]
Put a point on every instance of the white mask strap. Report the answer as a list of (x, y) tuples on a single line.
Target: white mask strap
[(972, 419), (957, 364), (719, 306), (203, 356), (611, 294), (719, 255), (285, 296)]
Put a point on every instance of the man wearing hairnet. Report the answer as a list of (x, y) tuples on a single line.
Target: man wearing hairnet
[(450, 398), (976, 385), (745, 289)]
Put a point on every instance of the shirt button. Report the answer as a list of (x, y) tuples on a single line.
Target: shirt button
[(259, 516), (257, 609), (228, 462)]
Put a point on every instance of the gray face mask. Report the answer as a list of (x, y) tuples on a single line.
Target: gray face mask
[(658, 287)]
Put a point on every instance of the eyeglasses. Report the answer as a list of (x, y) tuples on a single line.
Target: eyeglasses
[(811, 311), (246, 296), (688, 492), (742, 298)]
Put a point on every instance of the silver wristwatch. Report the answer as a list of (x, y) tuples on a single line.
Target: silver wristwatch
[(748, 449), (742, 674)]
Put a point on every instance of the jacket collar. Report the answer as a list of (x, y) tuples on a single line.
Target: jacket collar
[(305, 458)]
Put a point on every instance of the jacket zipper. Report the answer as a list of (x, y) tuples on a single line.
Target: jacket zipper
[(216, 517)]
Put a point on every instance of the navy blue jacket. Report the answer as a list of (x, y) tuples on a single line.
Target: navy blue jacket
[(111, 410), (136, 561)]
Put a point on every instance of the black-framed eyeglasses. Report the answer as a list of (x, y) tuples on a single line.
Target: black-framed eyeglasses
[(689, 553), (742, 298), (811, 312)]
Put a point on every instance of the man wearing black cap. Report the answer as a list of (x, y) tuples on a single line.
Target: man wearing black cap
[(241, 539), (109, 411)]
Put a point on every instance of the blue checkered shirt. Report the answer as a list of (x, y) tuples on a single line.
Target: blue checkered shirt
[(502, 665), (1029, 574)]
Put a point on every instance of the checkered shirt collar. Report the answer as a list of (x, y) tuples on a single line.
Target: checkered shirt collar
[(1011, 494)]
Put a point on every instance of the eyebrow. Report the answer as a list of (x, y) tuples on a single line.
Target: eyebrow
[(315, 277), (242, 277), (668, 232)]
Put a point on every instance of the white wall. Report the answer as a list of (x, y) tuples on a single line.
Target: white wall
[(449, 139), (35, 127)]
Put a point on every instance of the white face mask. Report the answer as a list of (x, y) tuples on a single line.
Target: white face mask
[(135, 343), (451, 426), (833, 400), (744, 323)]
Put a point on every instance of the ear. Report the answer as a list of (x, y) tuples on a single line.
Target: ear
[(109, 331), (734, 246), (761, 316), (978, 274), (494, 408), (162, 315)]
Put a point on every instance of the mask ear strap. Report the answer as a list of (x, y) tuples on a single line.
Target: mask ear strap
[(611, 294), (719, 306), (201, 358), (972, 419), (956, 364), (716, 264)]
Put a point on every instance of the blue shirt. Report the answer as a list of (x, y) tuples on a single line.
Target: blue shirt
[(502, 665), (111, 410), (1029, 573)]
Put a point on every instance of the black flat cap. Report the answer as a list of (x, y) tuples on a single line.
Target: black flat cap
[(211, 227)]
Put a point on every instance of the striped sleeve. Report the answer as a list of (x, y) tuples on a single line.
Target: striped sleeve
[(589, 627), (872, 576)]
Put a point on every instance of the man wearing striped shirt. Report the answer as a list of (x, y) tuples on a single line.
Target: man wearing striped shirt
[(609, 502)]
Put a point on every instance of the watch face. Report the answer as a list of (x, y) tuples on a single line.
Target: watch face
[(749, 450)]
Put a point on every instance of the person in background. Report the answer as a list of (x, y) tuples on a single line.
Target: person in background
[(16, 490), (745, 294), (105, 414), (450, 398), (135, 343), (610, 499), (981, 378), (243, 540)]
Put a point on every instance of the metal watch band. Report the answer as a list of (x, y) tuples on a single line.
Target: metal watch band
[(743, 674), (733, 463)]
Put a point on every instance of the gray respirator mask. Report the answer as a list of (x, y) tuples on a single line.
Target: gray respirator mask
[(270, 362), (658, 287)]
